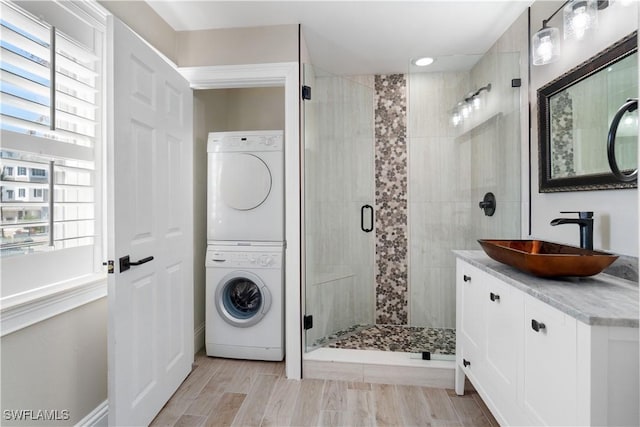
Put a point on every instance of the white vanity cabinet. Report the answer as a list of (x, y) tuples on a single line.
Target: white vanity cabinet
[(535, 364), (489, 339)]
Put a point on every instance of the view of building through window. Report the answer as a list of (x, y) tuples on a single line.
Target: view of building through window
[(47, 200)]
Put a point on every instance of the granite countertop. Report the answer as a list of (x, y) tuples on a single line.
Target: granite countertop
[(598, 300)]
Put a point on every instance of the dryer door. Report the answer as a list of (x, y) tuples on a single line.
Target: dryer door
[(245, 181), (242, 299)]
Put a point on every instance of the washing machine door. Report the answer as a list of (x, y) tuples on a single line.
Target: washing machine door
[(245, 181), (242, 299)]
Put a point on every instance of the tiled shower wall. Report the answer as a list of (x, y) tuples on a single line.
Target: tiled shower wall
[(391, 199)]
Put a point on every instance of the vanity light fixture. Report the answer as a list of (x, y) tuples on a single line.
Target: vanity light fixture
[(579, 16), (464, 108), (424, 61)]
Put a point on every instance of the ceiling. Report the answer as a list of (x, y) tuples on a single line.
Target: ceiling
[(364, 37)]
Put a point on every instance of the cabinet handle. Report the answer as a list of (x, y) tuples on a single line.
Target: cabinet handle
[(494, 297), (536, 326), (466, 363), (466, 278)]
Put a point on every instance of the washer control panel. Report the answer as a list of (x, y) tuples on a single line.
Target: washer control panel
[(244, 259)]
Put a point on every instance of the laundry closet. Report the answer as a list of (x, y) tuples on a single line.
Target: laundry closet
[(245, 110)]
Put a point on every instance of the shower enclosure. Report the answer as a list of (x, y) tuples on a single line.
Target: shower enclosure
[(392, 186), (339, 194)]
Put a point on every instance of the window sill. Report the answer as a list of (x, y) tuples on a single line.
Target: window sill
[(22, 310)]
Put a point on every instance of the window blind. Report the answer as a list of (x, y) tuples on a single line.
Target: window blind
[(49, 91)]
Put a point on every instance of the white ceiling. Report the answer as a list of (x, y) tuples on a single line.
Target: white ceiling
[(364, 37)]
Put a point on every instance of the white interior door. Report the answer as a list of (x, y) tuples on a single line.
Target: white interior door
[(150, 215)]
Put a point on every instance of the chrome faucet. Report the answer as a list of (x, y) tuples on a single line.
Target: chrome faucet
[(585, 221)]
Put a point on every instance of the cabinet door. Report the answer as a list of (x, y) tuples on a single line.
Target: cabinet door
[(549, 364), (504, 340), (470, 313)]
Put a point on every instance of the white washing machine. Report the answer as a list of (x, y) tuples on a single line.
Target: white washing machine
[(245, 198), (245, 302)]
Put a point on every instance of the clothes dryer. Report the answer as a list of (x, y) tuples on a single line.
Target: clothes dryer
[(244, 302), (245, 198)]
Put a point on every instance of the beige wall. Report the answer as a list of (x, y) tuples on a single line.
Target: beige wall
[(615, 211), (233, 46), (147, 23), (228, 46), (58, 364), (220, 110)]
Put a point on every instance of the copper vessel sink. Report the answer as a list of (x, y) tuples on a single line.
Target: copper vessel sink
[(545, 259)]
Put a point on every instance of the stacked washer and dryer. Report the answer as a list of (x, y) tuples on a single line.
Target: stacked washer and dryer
[(245, 235)]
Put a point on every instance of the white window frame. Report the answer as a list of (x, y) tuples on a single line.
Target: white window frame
[(57, 292)]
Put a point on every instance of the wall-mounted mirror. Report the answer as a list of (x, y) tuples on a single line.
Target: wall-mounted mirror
[(574, 115)]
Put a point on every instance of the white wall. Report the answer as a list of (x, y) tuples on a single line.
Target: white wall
[(615, 211)]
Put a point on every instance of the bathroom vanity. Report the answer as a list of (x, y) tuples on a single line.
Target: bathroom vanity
[(547, 351)]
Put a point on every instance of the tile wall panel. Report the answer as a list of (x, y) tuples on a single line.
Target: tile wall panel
[(391, 199)]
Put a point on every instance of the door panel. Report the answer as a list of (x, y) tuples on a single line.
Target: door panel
[(150, 215)]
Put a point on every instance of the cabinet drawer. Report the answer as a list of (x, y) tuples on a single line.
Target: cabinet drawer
[(550, 364)]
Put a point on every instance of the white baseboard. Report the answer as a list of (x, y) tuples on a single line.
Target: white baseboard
[(99, 417), (198, 338)]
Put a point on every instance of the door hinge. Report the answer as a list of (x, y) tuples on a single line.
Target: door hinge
[(307, 322), (109, 265), (306, 92)]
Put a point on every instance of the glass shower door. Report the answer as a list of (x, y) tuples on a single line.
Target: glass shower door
[(338, 204)]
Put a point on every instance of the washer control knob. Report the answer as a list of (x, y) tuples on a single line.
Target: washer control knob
[(269, 142)]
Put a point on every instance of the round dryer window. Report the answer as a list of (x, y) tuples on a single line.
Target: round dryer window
[(242, 299), (245, 181)]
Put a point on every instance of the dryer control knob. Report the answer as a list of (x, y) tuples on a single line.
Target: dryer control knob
[(269, 141), (266, 260)]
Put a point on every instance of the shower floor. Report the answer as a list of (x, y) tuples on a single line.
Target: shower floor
[(408, 339)]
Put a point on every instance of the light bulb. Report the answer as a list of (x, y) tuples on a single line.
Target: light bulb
[(456, 119), (546, 46), (476, 102), (579, 16), (580, 22), (466, 110)]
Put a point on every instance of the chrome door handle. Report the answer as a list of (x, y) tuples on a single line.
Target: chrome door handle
[(126, 263)]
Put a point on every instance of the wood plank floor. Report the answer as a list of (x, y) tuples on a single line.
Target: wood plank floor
[(224, 392)]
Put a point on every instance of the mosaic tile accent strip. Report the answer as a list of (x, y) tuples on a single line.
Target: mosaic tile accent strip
[(391, 199), (562, 136), (408, 339)]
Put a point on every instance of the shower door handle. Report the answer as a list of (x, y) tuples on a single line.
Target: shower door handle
[(362, 215)]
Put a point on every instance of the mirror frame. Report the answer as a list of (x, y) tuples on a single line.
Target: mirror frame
[(602, 181)]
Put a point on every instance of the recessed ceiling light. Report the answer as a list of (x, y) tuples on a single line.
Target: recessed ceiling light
[(423, 62)]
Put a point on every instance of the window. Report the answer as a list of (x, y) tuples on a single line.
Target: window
[(50, 106)]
